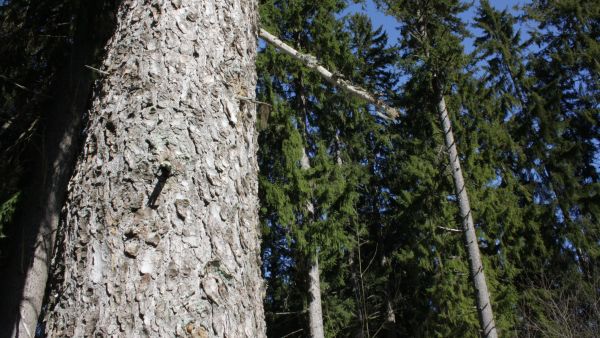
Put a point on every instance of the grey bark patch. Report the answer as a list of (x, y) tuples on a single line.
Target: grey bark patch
[(132, 248), (152, 239), (211, 289), (182, 206), (192, 16)]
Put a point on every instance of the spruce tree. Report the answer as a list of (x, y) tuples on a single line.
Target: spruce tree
[(311, 117), (432, 50), (545, 89), (308, 218), (566, 119)]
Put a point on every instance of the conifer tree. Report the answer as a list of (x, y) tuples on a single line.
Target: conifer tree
[(543, 89), (566, 121), (308, 210), (432, 48), (521, 244), (318, 115), (362, 215)]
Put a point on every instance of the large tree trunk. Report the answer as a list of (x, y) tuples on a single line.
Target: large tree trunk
[(160, 234), (484, 306)]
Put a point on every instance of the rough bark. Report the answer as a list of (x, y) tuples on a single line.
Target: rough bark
[(337, 80), (482, 296), (159, 235), (24, 280)]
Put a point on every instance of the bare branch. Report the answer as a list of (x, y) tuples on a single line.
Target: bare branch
[(291, 333), (20, 86), (96, 70), (243, 98), (450, 229), (311, 62)]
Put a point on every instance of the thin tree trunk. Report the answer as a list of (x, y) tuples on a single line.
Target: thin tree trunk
[(160, 234), (24, 280), (356, 277), (315, 310), (358, 296), (390, 320), (484, 306)]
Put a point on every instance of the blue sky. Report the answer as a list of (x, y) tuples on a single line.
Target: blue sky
[(389, 23)]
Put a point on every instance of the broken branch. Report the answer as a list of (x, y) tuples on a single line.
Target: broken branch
[(312, 63)]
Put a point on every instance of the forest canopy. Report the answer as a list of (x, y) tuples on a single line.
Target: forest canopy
[(481, 193)]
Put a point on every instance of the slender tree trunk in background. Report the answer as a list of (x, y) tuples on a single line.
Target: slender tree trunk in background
[(356, 277), (484, 306), (315, 310), (24, 280), (358, 296), (160, 234), (390, 317)]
